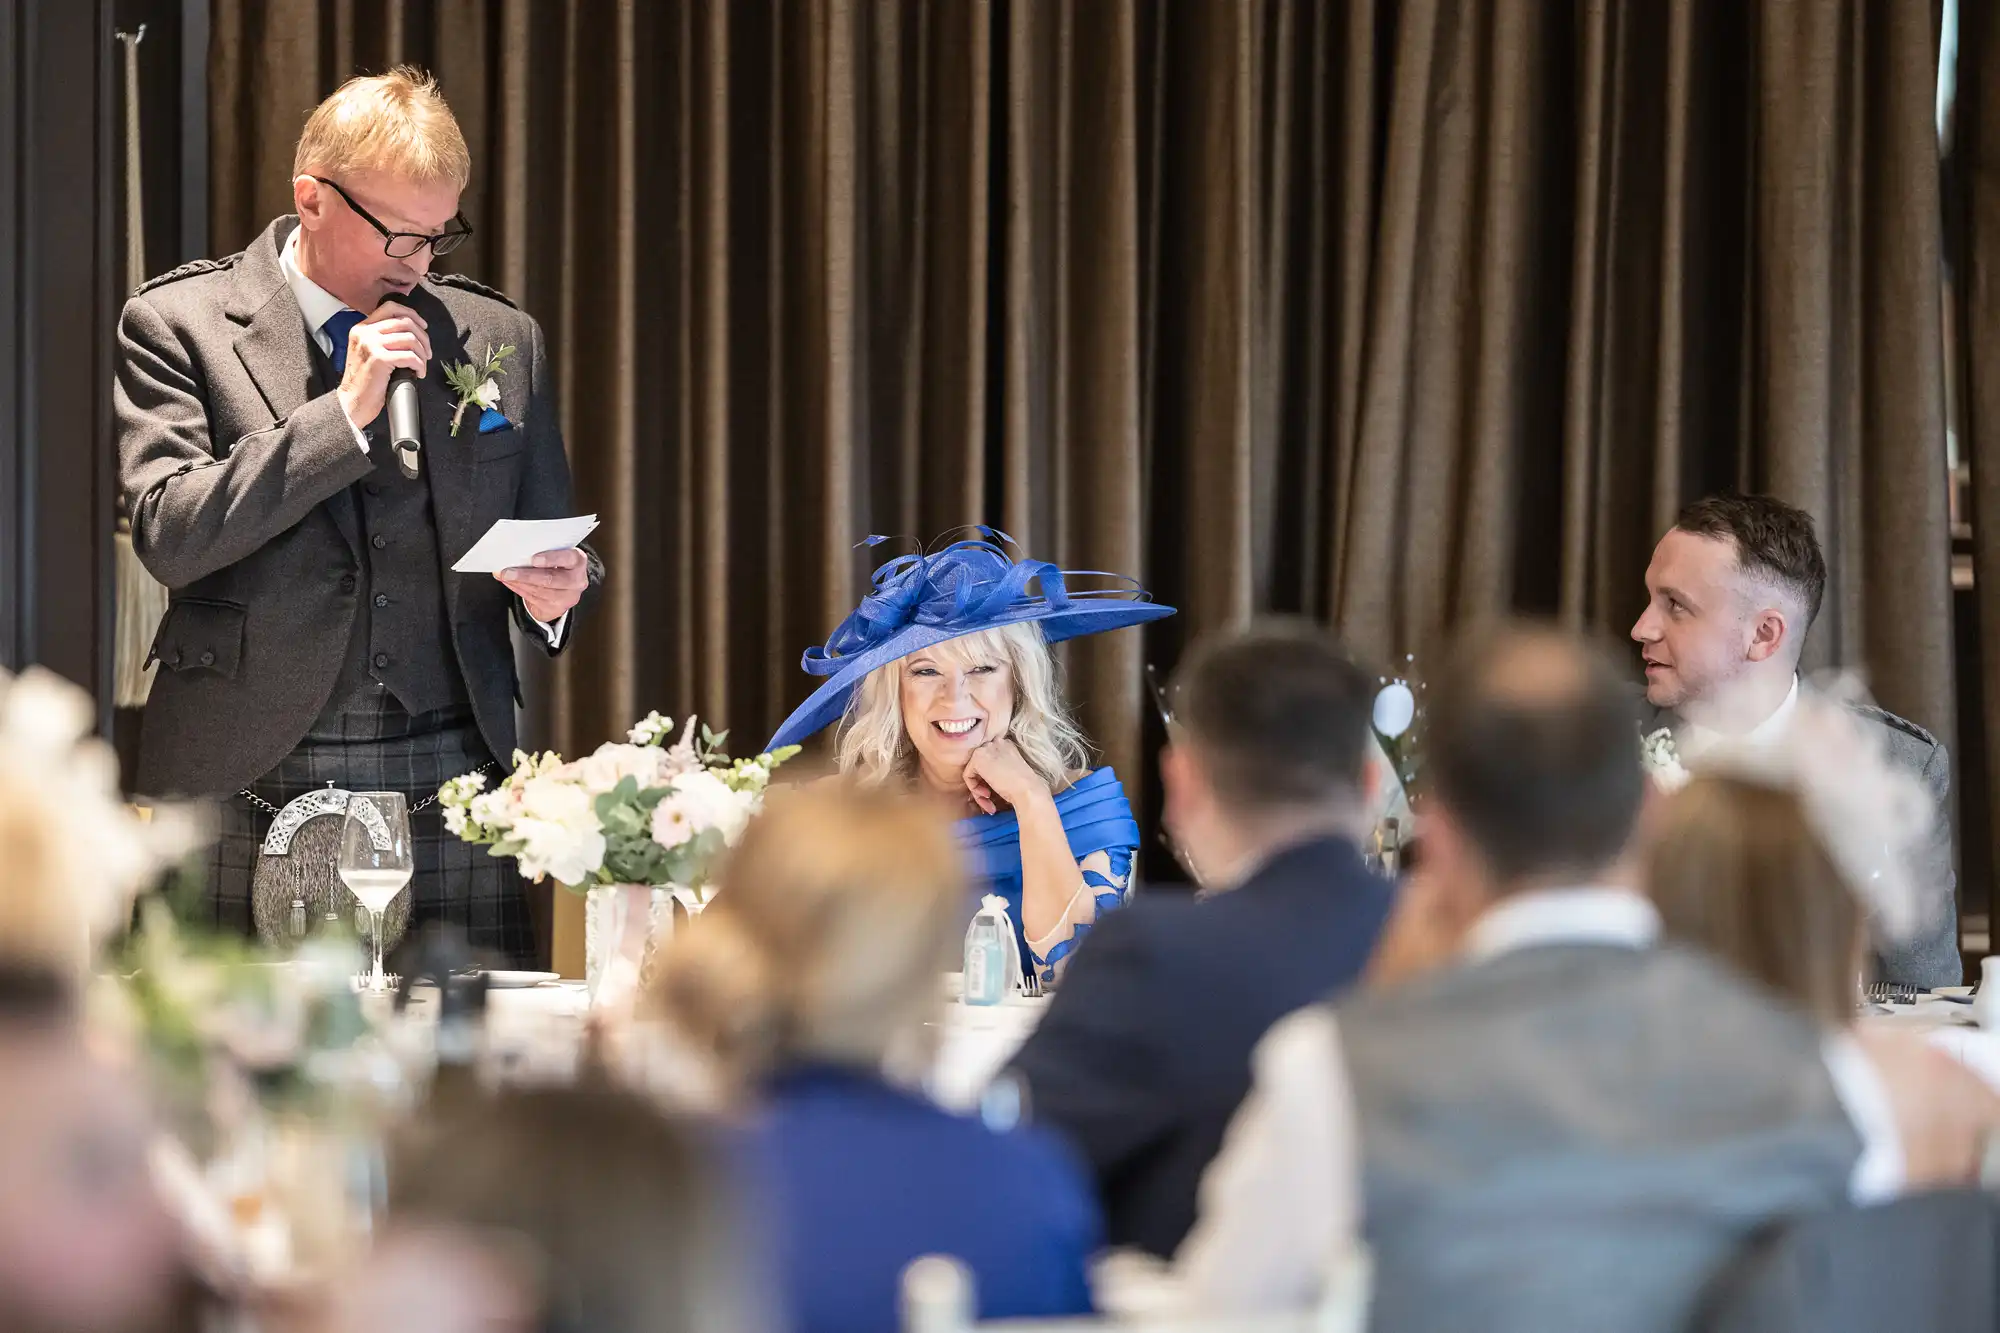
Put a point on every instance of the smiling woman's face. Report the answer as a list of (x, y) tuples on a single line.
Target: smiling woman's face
[(956, 696)]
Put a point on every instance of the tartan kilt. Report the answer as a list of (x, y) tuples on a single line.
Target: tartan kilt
[(373, 744)]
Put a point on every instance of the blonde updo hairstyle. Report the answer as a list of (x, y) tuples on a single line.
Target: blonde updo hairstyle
[(874, 746), (843, 904)]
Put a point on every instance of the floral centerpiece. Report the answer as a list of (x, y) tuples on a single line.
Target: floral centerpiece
[(627, 825)]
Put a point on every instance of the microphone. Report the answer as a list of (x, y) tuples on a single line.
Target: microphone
[(406, 428)]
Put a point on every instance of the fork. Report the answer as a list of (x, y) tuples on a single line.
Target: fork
[(1031, 984), (1891, 992)]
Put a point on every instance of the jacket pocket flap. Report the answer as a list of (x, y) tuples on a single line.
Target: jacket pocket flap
[(200, 635)]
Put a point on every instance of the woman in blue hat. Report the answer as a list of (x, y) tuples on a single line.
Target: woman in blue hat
[(943, 679)]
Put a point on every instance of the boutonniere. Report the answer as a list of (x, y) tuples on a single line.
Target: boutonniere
[(1661, 759), (478, 386)]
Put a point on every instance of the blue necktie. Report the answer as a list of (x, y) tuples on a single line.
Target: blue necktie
[(337, 327)]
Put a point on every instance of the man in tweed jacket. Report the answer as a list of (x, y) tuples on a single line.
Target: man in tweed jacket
[(316, 631), (1731, 593)]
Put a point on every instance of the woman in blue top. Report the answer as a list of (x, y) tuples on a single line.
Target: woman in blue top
[(814, 970), (942, 679)]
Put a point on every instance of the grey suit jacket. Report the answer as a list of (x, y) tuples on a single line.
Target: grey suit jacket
[(237, 479), (1932, 959)]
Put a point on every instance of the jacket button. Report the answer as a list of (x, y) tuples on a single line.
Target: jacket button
[(378, 541), (371, 488), (347, 583), (208, 659), (381, 659), (381, 599)]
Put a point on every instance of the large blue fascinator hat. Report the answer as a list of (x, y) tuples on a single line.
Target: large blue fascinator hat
[(969, 586)]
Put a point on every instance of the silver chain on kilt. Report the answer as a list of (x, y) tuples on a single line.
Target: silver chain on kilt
[(259, 803)]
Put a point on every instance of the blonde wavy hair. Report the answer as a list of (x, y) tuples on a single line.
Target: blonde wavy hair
[(874, 746), (844, 903), (395, 122)]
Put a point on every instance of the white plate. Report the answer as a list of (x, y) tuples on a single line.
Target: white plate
[(519, 980), (1951, 990)]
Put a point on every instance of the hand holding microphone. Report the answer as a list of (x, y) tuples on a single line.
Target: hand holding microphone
[(394, 338)]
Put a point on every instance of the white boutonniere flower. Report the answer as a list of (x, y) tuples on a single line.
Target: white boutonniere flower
[(1662, 761), (477, 385)]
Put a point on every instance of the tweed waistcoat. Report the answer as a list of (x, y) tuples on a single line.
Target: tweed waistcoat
[(402, 628)]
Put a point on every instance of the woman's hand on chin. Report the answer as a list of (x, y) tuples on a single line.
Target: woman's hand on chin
[(996, 772)]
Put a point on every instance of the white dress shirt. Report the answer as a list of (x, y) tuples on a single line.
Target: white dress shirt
[(318, 305), (1695, 739), (1282, 1200)]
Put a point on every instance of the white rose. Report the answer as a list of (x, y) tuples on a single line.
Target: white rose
[(699, 801), (494, 809), (454, 820), (555, 801), (487, 395), (564, 852), (612, 763)]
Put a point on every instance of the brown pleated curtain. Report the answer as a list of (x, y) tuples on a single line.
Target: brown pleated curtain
[(1396, 314)]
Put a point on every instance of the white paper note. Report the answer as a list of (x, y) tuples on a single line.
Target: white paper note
[(514, 542)]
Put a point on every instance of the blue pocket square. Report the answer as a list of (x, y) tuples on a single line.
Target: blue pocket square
[(490, 420)]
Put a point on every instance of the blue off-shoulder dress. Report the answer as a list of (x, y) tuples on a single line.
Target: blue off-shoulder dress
[(1096, 817)]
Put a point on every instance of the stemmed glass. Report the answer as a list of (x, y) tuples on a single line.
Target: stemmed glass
[(375, 861)]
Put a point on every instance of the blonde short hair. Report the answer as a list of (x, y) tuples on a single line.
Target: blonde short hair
[(874, 746), (396, 122), (838, 910)]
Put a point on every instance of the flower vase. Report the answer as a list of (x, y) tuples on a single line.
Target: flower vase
[(620, 922)]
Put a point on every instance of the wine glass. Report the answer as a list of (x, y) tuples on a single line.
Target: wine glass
[(375, 860)]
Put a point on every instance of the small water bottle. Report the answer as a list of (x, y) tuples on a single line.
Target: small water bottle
[(990, 961), (985, 962)]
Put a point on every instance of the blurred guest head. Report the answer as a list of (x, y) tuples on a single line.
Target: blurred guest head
[(922, 716), (1735, 868), (1269, 745), (557, 1210), (845, 902), (1534, 767), (85, 1245), (1731, 592), (382, 154)]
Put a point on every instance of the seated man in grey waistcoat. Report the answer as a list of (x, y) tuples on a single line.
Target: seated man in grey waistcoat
[(1732, 591), (1562, 1124)]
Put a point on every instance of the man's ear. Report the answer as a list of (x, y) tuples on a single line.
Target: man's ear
[(309, 202), (1769, 634)]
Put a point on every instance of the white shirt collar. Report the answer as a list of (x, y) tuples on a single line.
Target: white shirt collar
[(1588, 915), (1695, 738), (316, 303)]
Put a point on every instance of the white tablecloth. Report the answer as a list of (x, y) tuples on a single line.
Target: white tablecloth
[(1948, 1026), (543, 1024)]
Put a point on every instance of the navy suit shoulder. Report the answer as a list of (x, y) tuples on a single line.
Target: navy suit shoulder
[(1144, 1055)]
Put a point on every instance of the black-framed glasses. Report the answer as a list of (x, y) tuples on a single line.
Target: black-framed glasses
[(406, 244)]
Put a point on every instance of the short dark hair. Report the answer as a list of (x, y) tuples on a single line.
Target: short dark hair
[(1279, 713), (1534, 752), (1773, 539)]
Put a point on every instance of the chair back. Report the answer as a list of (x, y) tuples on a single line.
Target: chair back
[(939, 1296), (1929, 1263)]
